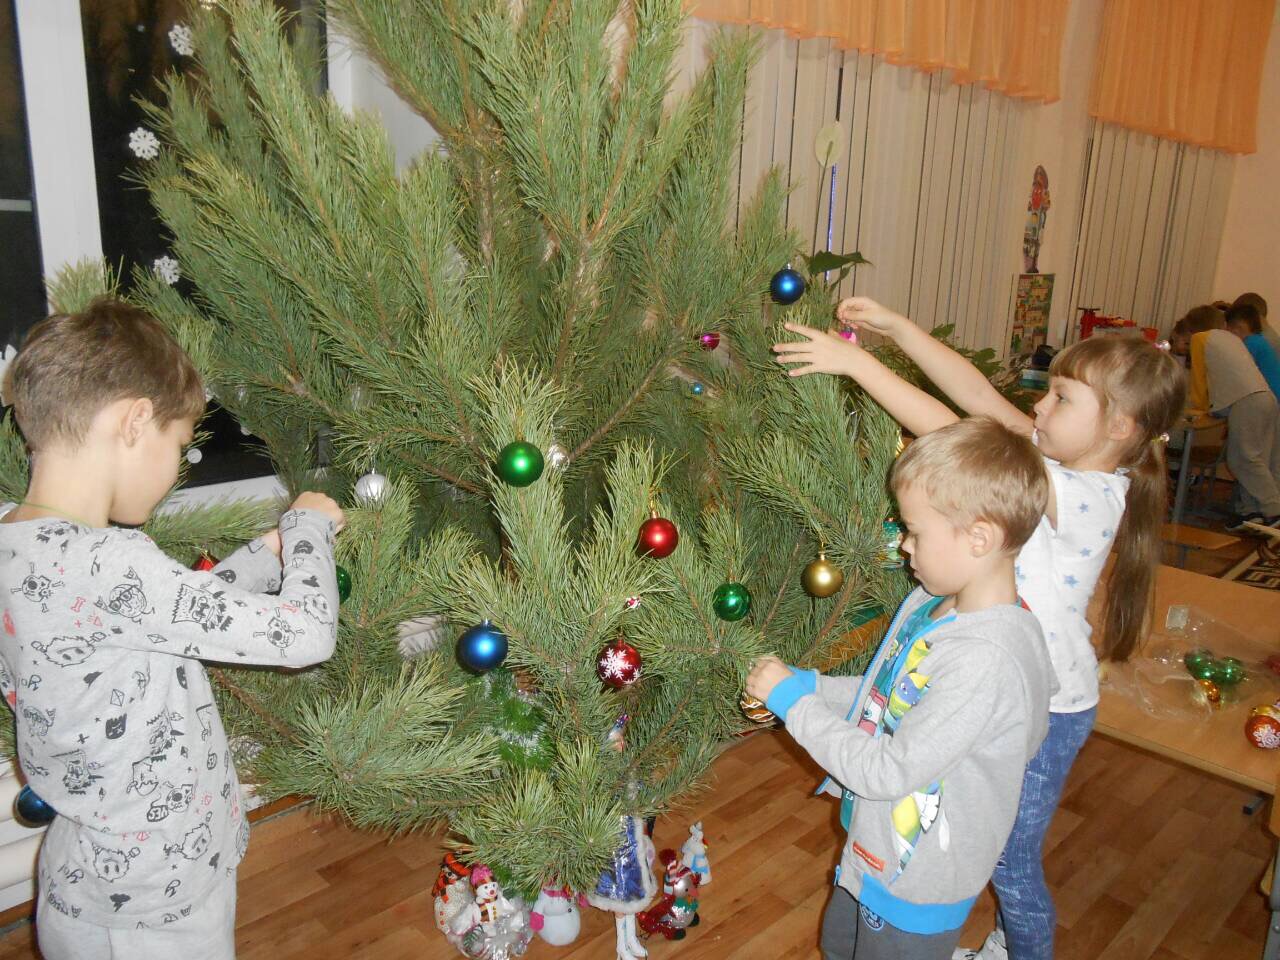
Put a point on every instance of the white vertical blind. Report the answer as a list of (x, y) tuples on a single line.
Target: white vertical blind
[(924, 186), (1150, 227)]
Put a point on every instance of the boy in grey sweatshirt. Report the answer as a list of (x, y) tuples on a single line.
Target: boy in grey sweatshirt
[(102, 637), (929, 747)]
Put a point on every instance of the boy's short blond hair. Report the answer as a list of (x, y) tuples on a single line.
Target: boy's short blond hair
[(72, 365), (978, 469)]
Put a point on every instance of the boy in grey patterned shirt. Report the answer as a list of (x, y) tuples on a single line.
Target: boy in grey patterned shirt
[(102, 637)]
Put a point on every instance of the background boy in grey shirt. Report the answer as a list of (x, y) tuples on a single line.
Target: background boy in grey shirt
[(101, 637), (930, 745)]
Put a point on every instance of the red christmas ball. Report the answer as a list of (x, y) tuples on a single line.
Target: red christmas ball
[(205, 563), (618, 665), (658, 538), (709, 340), (1263, 731)]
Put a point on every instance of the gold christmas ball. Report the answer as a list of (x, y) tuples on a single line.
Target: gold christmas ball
[(821, 578)]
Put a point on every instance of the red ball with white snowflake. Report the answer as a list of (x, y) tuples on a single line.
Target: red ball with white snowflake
[(618, 665)]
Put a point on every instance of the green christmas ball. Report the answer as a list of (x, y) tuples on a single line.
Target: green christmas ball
[(519, 463), (344, 583), (731, 601), (1199, 664), (1227, 671)]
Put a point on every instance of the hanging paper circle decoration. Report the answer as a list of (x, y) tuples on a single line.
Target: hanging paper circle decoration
[(519, 464), (482, 647), (731, 601), (786, 287)]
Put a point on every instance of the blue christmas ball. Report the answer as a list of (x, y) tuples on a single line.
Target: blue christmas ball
[(31, 810), (697, 389), (482, 647), (786, 287)]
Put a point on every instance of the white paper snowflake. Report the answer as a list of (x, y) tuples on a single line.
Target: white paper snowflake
[(181, 40), (166, 269), (9, 354), (144, 144), (614, 663)]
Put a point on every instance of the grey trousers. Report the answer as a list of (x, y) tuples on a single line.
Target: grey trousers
[(1253, 453), (208, 934), (852, 932)]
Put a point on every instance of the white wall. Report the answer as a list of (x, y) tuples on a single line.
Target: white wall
[(1248, 258), (357, 85), (1056, 137)]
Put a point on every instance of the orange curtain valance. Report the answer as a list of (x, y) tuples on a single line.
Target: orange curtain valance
[(1013, 46), (1186, 70)]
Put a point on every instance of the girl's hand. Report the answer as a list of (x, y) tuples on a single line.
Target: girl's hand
[(863, 313), (767, 673), (820, 353)]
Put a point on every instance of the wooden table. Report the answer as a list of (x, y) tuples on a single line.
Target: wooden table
[(1215, 744)]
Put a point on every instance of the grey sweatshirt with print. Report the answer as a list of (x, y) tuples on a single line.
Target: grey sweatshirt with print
[(100, 654), (981, 720)]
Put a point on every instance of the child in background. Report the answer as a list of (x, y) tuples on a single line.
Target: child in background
[(1245, 322), (1227, 383), (1258, 303), (930, 746), (103, 635), (1101, 429)]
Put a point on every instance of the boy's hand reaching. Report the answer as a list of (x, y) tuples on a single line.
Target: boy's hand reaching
[(820, 353), (767, 673), (863, 313), (321, 504)]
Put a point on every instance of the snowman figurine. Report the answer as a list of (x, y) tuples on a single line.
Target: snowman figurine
[(555, 916), (488, 907), (694, 854)]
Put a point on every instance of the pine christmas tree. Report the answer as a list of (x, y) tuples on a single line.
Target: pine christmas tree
[(544, 277)]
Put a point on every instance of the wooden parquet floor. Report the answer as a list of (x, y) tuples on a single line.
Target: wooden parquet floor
[(1147, 860)]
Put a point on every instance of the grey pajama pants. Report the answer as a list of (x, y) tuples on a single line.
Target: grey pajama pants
[(852, 932), (208, 934), (1253, 453)]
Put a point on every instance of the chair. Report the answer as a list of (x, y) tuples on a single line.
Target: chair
[(1208, 453)]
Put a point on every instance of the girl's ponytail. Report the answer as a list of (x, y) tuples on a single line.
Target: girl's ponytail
[(1137, 551), (1133, 378)]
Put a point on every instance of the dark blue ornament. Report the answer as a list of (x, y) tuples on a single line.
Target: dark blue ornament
[(697, 389), (786, 287), (31, 810), (482, 647)]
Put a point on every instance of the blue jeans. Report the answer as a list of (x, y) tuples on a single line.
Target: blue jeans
[(1026, 908)]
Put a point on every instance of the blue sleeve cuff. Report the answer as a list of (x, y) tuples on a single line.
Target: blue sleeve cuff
[(801, 683)]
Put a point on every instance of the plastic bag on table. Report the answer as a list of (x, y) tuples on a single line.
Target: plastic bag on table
[(1192, 665)]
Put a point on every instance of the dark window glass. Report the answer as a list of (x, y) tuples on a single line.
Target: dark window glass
[(23, 299), (128, 50)]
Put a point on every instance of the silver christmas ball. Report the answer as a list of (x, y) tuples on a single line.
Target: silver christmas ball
[(371, 488), (194, 456), (557, 456)]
